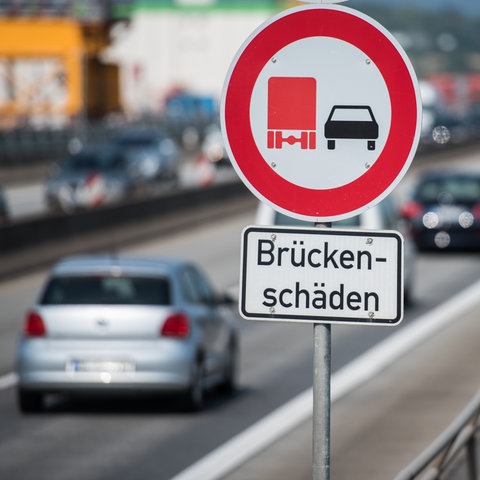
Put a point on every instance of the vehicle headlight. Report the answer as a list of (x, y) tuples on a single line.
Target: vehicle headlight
[(430, 220), (214, 152), (466, 219)]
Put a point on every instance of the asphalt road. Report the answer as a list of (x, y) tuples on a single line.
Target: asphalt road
[(132, 438)]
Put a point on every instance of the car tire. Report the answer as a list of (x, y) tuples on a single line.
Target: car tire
[(229, 382), (30, 402), (195, 397)]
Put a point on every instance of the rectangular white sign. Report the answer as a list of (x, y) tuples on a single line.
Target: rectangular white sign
[(322, 275)]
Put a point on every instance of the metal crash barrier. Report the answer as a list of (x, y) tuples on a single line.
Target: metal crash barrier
[(452, 455)]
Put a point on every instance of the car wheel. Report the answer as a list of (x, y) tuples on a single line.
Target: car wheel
[(408, 297), (195, 398), (30, 402), (231, 370)]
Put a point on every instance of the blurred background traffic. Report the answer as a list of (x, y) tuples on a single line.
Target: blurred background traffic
[(135, 87)]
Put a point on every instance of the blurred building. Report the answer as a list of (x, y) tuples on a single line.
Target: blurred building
[(63, 59), (68, 60), (50, 66), (180, 45)]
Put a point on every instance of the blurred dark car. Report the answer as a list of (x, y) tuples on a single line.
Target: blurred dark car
[(152, 153), (93, 177), (108, 324), (187, 114), (4, 212), (443, 211)]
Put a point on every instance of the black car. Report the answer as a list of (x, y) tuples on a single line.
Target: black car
[(152, 152), (444, 210)]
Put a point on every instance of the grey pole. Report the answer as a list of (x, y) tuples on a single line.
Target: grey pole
[(321, 401)]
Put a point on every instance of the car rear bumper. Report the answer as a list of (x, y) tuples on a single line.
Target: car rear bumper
[(54, 382), (149, 369), (447, 239)]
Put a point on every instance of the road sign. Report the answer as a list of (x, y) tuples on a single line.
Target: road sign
[(322, 275), (321, 112)]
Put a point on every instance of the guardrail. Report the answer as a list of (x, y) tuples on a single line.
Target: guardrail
[(36, 242), (22, 147), (455, 447)]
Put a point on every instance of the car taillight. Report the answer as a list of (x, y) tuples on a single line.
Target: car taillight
[(92, 178), (177, 325), (476, 211), (34, 325), (411, 210)]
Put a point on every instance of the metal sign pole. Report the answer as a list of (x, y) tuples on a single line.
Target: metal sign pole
[(321, 401), (322, 372)]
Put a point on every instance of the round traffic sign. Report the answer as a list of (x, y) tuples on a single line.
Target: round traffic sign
[(321, 112)]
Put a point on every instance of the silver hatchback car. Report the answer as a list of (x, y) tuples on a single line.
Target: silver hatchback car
[(107, 323)]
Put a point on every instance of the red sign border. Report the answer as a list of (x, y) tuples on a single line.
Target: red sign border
[(383, 50)]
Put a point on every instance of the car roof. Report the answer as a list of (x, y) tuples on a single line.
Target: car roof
[(119, 264), (94, 148)]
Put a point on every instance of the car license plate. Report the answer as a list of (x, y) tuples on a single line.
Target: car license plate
[(109, 366), (449, 214)]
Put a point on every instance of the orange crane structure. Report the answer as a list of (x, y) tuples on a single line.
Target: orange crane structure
[(51, 70)]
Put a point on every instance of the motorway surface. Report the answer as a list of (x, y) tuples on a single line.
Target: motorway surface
[(137, 438)]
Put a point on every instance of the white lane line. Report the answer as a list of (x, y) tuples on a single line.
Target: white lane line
[(251, 441)]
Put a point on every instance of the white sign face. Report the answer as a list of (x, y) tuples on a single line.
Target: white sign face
[(322, 275), (324, 163)]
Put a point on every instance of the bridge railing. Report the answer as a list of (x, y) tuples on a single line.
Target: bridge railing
[(454, 450)]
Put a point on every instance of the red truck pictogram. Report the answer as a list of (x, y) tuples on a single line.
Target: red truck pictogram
[(292, 111)]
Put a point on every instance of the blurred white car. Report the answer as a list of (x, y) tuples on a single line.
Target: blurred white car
[(383, 216), (213, 147)]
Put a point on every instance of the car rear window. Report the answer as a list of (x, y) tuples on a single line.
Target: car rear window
[(106, 290), (450, 190), (103, 161), (345, 114)]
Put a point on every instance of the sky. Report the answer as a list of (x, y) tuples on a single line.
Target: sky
[(469, 7)]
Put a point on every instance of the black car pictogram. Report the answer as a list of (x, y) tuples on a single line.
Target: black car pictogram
[(352, 122)]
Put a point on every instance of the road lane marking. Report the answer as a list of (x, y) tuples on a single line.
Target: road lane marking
[(266, 431)]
